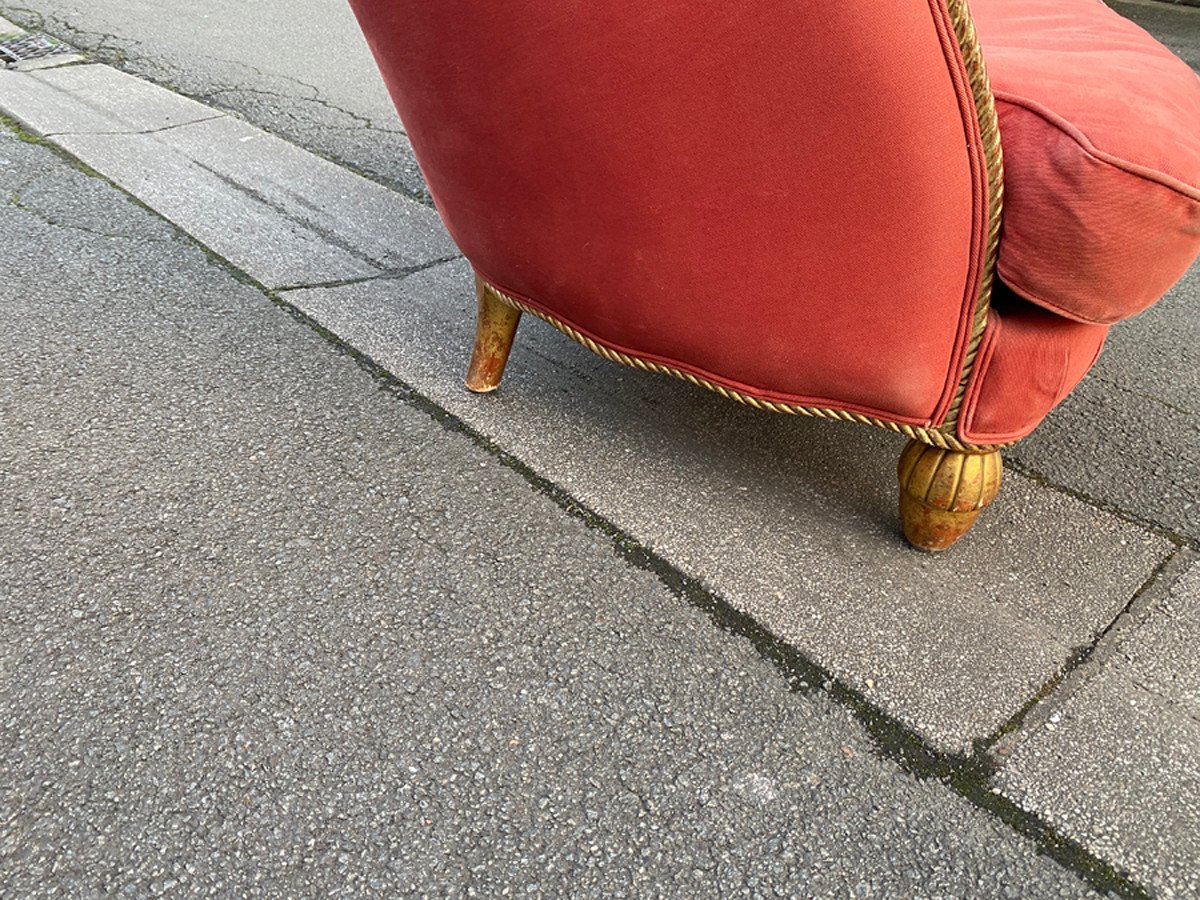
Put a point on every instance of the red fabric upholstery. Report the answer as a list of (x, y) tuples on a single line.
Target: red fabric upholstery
[(1100, 126), (1029, 361), (786, 198), (789, 199)]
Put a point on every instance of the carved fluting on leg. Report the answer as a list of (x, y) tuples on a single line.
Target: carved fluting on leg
[(495, 328), (943, 491)]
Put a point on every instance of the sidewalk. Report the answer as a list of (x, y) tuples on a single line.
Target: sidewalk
[(341, 600), (268, 622)]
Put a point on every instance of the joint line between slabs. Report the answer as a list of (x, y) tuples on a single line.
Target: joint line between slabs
[(966, 776)]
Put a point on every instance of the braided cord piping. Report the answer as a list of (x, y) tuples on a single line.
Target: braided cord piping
[(933, 436), (989, 130), (945, 436)]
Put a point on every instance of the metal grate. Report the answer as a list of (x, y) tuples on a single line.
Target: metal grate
[(30, 46)]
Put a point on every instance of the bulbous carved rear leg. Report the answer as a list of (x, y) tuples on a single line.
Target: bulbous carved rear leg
[(495, 327), (943, 491)]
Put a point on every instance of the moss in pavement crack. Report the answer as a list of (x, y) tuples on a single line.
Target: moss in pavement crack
[(968, 775)]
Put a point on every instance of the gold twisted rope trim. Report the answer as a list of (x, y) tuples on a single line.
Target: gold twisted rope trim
[(945, 436), (989, 130), (931, 436)]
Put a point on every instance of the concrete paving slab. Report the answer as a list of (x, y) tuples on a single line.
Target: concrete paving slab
[(271, 631), (1115, 767), (226, 217), (1129, 435), (790, 520), (300, 69), (281, 214), (389, 229), (94, 99), (55, 61)]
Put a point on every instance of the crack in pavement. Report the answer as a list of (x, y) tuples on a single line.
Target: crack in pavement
[(53, 134), (314, 96), (394, 274), (1156, 528), (1190, 413), (967, 775), (329, 237), (34, 20), (1174, 703), (105, 42), (300, 122), (1063, 685)]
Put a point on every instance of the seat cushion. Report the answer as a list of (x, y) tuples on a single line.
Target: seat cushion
[(1029, 361), (1100, 126)]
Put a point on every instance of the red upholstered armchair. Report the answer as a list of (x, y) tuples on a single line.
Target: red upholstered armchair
[(803, 206)]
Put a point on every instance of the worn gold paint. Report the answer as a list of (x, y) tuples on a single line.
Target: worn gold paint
[(943, 491), (944, 481), (989, 132), (495, 328)]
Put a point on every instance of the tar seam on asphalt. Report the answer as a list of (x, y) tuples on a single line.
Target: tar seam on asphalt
[(967, 776)]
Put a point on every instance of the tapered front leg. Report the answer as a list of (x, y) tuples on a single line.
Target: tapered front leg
[(495, 327), (943, 491)]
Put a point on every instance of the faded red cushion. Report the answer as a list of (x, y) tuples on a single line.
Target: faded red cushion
[(1029, 361), (1100, 126), (781, 198)]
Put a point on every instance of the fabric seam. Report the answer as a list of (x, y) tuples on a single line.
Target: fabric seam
[(1085, 144), (741, 387), (982, 367), (1035, 297), (962, 360)]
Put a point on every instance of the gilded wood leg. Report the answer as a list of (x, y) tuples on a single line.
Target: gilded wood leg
[(494, 330), (943, 491)]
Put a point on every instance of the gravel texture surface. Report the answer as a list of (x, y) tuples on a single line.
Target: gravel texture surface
[(1126, 741), (790, 520), (270, 630), (302, 69)]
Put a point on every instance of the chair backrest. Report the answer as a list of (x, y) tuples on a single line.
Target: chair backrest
[(788, 198)]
